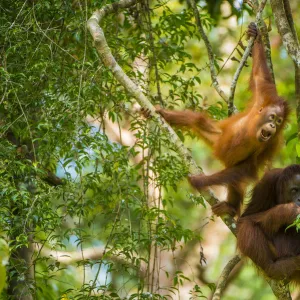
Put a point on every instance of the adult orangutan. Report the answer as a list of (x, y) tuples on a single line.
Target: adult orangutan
[(262, 229), (245, 141)]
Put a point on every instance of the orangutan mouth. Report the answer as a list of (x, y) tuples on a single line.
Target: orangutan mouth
[(265, 135)]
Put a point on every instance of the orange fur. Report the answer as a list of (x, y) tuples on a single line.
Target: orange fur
[(234, 140)]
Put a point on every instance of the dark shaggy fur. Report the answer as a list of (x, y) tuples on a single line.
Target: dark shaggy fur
[(262, 234)]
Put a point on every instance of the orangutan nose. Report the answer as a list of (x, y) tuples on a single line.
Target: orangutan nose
[(272, 125)]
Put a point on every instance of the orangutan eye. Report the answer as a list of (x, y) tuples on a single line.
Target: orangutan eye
[(272, 117), (260, 110), (279, 121)]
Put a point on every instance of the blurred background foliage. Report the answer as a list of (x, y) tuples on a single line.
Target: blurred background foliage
[(123, 222)]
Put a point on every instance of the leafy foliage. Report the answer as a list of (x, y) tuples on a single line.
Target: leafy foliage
[(295, 224), (63, 113)]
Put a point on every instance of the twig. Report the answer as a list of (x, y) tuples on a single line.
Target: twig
[(243, 60), (224, 277)]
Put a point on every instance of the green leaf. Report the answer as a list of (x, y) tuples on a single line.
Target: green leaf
[(292, 137), (298, 149)]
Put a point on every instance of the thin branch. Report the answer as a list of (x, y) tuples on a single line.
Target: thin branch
[(285, 31), (267, 46), (210, 53), (279, 287), (110, 62), (289, 16), (297, 95), (265, 37), (229, 100), (224, 277), (243, 60), (153, 51), (97, 253)]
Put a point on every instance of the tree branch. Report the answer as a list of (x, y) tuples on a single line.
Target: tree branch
[(297, 94), (279, 287), (97, 253), (286, 29), (243, 60), (229, 100), (110, 62), (265, 35), (224, 277), (286, 32), (210, 53), (289, 16)]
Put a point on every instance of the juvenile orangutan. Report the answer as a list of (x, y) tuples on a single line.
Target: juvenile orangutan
[(245, 141)]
